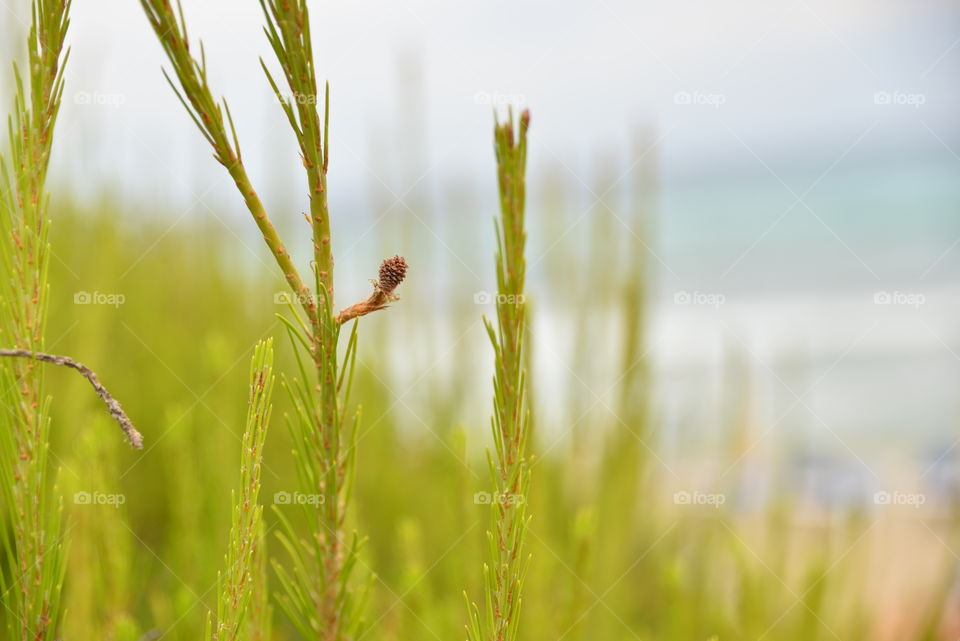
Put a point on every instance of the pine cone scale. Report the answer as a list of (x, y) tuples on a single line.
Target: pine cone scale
[(392, 272)]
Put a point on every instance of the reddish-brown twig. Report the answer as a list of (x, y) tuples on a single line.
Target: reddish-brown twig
[(392, 272)]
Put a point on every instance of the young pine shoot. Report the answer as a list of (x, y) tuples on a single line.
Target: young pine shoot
[(509, 464), (240, 601), (317, 587), (32, 537)]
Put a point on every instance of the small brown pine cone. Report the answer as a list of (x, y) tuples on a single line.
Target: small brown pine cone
[(392, 271)]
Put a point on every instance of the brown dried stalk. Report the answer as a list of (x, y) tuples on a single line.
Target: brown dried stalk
[(392, 272), (133, 436)]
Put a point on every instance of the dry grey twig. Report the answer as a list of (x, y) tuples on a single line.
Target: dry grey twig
[(113, 406)]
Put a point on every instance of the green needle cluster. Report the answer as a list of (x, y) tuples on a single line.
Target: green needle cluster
[(317, 583), (33, 542), (510, 462)]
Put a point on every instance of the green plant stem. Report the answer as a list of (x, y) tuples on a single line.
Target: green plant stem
[(288, 31), (208, 114), (510, 466), (239, 579), (318, 601), (34, 549), (272, 239)]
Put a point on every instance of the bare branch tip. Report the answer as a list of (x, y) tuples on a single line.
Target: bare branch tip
[(134, 437)]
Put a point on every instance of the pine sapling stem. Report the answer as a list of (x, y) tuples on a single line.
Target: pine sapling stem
[(31, 539), (272, 239), (195, 95), (242, 608), (509, 462), (321, 602)]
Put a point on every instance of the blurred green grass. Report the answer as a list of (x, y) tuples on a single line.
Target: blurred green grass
[(613, 557)]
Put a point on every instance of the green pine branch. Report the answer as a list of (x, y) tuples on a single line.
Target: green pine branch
[(33, 540), (318, 591), (241, 606), (510, 462)]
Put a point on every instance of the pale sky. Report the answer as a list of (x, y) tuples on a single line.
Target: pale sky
[(789, 82)]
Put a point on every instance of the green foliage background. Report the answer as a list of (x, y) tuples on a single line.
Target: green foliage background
[(613, 558)]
